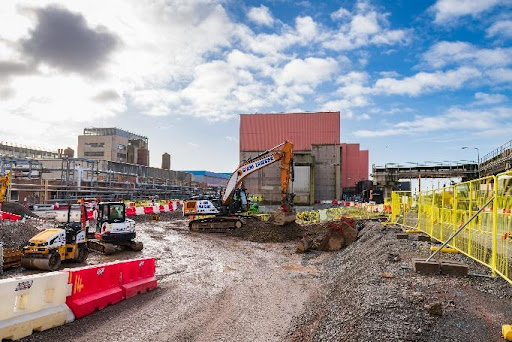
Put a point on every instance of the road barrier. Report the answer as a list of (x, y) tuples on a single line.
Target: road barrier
[(138, 276), (487, 239), (33, 303), (94, 288)]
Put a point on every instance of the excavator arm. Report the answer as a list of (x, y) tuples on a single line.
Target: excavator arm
[(282, 152)]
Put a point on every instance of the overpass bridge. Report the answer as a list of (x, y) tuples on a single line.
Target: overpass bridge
[(390, 174)]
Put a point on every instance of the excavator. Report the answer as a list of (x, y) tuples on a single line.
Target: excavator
[(227, 212)]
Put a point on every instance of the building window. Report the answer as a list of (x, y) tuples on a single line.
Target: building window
[(121, 147), (94, 145), (94, 154), (121, 155)]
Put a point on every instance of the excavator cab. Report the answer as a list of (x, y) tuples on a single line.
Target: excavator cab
[(111, 212), (240, 202)]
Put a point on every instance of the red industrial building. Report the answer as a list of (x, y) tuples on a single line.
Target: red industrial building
[(324, 168)]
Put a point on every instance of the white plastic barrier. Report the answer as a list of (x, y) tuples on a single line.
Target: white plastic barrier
[(323, 215), (166, 208), (33, 303), (139, 210), (62, 216)]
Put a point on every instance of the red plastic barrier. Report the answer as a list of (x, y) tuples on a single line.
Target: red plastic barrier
[(138, 276), (94, 288), (171, 206), (10, 216), (148, 210), (162, 210), (130, 211)]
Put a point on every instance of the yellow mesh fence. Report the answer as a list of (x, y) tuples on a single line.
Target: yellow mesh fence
[(503, 241), (439, 213)]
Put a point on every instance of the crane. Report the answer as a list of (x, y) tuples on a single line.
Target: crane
[(227, 211)]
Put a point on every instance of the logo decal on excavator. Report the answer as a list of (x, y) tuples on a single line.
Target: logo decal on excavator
[(78, 286), (258, 164), (100, 271)]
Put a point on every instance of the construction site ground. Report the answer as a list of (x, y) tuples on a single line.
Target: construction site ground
[(214, 287)]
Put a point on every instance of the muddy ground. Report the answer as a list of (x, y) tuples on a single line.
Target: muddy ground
[(226, 288)]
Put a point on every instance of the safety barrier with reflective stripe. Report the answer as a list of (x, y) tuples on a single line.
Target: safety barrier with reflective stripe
[(96, 287), (42, 301), (36, 302)]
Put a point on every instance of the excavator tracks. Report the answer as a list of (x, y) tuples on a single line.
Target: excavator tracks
[(216, 224)]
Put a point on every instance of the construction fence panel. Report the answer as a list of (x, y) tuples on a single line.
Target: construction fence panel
[(488, 237), (503, 241), (404, 209)]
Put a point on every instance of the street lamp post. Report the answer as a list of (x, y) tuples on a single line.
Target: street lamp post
[(478, 156)]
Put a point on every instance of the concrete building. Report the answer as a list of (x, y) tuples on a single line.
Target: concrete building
[(323, 166), (113, 144), (17, 151), (210, 178)]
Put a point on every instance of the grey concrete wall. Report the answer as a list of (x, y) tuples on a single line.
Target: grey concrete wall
[(266, 181), (327, 171)]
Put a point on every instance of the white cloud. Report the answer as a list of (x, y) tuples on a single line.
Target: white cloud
[(455, 119), (362, 27), (445, 53), (500, 75), (447, 10), (425, 82), (485, 99), (309, 71), (342, 13), (500, 28), (261, 16), (304, 32)]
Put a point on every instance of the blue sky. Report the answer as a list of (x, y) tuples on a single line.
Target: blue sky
[(414, 80)]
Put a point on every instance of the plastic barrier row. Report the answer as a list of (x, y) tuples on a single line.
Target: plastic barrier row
[(9, 216), (353, 210), (43, 301)]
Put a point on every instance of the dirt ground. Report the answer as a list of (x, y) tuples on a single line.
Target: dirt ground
[(215, 287)]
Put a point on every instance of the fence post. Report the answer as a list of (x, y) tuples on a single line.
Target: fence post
[(431, 212), (470, 230), (419, 210), (494, 250)]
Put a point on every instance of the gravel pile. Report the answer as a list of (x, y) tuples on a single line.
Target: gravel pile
[(17, 234), (370, 295), (16, 208), (259, 231)]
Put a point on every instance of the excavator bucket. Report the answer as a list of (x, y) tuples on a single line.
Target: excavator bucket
[(282, 218)]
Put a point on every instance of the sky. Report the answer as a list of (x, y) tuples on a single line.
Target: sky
[(414, 80)]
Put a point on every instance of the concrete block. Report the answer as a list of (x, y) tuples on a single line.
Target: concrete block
[(454, 268), (423, 238), (423, 267), (401, 236)]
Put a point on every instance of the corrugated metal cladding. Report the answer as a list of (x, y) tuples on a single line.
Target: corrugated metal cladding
[(354, 164), (259, 132)]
